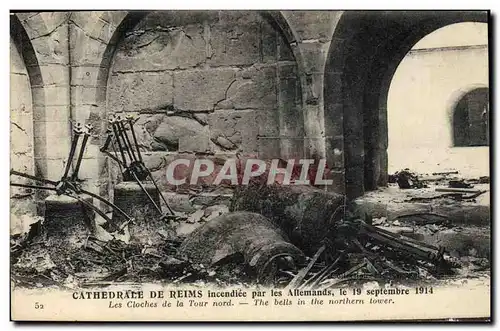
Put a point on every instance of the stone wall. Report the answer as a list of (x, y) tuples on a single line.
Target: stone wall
[(365, 51), (209, 83), (219, 84), (414, 105), (21, 135)]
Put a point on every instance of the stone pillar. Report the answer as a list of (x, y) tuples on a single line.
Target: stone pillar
[(51, 98)]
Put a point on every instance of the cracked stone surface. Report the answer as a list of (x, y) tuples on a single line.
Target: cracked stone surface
[(202, 81), (178, 71), (161, 132), (138, 91), (21, 120), (21, 135)]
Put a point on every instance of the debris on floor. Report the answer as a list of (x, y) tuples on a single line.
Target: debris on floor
[(406, 179), (292, 237)]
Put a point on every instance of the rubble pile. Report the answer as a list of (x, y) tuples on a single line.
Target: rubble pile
[(293, 236), (242, 248)]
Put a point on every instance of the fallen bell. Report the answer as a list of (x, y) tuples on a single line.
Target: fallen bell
[(251, 236)]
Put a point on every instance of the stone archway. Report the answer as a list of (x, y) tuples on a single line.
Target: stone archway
[(27, 152), (247, 73), (470, 120), (364, 54)]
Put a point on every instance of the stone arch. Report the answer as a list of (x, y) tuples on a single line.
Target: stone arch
[(127, 22), (28, 148), (23, 44), (124, 21), (366, 49), (462, 123), (119, 22)]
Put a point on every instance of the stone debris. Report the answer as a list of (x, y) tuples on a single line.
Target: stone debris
[(406, 179), (298, 237), (459, 184), (305, 213)]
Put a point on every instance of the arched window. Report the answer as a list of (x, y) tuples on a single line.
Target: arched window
[(471, 119)]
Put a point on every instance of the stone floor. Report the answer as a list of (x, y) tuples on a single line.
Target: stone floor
[(462, 226)]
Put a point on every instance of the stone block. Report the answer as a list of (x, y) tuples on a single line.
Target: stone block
[(87, 76), (177, 18), (54, 130), (179, 202), (267, 121), (201, 90), (255, 88), (269, 147), (144, 130), (39, 25), (334, 116), (269, 134), (314, 55), (92, 26), (211, 199), (354, 151), (52, 75), (81, 95), (178, 47), (90, 114), (52, 20), (114, 18), (139, 91), (16, 61), (66, 223), (23, 16), (62, 150), (235, 40), (269, 42), (285, 52), (292, 147), (50, 49), (154, 161), (50, 96), (55, 113), (88, 51), (89, 168), (290, 107), (20, 93), (178, 133), (313, 24), (233, 130), (354, 176)]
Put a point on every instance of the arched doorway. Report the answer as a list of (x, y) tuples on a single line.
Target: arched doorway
[(471, 119), (27, 152), (213, 83), (366, 49), (446, 69)]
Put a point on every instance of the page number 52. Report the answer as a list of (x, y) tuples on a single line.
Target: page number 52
[(38, 305)]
